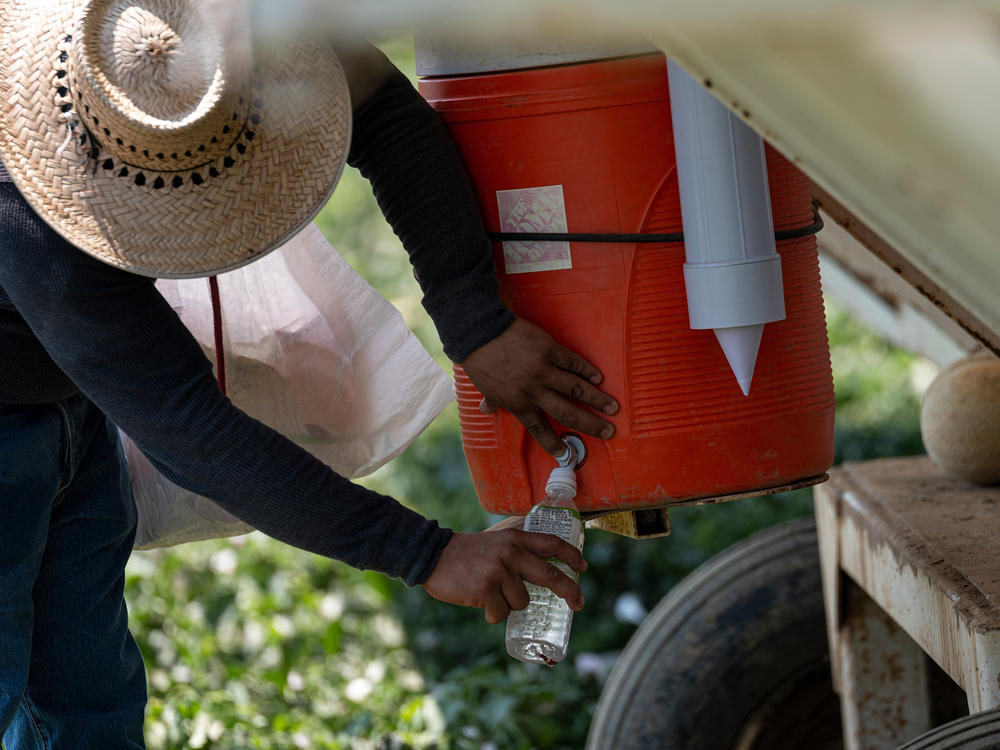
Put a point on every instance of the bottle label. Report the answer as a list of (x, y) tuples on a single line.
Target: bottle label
[(563, 522)]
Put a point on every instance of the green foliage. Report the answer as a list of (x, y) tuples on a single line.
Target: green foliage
[(878, 391), (253, 644)]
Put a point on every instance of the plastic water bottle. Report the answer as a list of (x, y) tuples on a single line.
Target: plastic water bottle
[(540, 632)]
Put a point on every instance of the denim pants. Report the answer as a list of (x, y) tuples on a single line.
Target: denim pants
[(71, 675)]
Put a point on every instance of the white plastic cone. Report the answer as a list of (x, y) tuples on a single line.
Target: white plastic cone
[(740, 345)]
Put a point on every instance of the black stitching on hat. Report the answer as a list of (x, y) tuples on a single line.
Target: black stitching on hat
[(62, 91), (235, 115), (68, 39), (63, 57), (158, 183), (107, 132), (197, 178), (66, 107), (255, 118), (60, 74), (83, 138), (108, 164)]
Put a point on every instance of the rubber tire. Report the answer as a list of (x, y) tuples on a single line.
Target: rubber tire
[(976, 732), (741, 642)]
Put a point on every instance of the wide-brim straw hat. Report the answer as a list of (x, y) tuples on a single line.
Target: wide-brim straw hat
[(160, 136)]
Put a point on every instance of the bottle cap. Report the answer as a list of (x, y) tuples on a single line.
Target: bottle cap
[(562, 480)]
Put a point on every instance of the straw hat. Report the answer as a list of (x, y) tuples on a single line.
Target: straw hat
[(155, 136)]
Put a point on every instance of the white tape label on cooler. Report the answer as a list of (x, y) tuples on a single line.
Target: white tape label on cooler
[(537, 209)]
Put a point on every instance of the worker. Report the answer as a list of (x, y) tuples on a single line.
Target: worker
[(141, 140)]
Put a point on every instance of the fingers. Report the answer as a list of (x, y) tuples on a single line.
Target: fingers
[(547, 575), (571, 386), (496, 608), (527, 373), (549, 400), (568, 385), (489, 569), (537, 425), (566, 413), (534, 567), (549, 545), (515, 593), (567, 360)]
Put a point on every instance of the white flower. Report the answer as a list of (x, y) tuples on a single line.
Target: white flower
[(254, 636), (389, 630), (375, 671), (295, 681), (224, 562), (628, 608), (332, 607), (283, 625), (358, 689)]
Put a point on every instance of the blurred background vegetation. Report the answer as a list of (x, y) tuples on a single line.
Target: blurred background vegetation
[(253, 644)]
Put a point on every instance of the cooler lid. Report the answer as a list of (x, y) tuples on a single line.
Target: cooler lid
[(436, 56)]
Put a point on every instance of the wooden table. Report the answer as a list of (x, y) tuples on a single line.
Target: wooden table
[(910, 565)]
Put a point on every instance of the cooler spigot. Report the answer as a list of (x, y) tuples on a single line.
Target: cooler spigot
[(575, 453)]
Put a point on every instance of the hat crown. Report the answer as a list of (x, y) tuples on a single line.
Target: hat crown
[(164, 64), (161, 63), (158, 84)]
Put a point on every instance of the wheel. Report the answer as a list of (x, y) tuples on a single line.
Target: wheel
[(735, 657), (976, 732)]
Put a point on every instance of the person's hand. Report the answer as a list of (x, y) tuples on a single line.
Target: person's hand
[(527, 373), (488, 569)]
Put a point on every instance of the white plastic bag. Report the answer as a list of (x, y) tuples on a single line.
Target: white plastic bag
[(312, 350)]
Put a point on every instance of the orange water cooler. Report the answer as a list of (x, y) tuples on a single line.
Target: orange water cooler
[(587, 147)]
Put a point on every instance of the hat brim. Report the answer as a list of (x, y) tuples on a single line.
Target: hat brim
[(234, 211)]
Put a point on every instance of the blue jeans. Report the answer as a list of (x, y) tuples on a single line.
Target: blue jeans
[(71, 675)]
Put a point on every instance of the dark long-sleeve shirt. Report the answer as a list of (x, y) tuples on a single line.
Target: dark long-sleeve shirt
[(69, 322)]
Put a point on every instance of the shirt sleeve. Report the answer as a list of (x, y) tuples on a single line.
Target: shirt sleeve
[(117, 339), (404, 149)]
